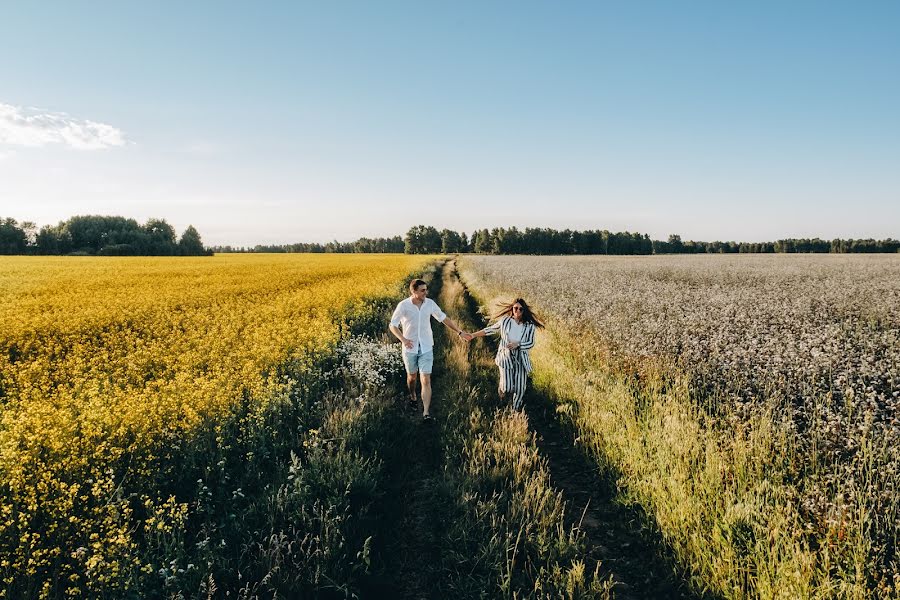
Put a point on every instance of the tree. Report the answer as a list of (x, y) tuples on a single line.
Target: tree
[(588, 242), (451, 242), (90, 233), (497, 236), (422, 239), (190, 243), (13, 239), (53, 240), (30, 230), (675, 245), (661, 247), (507, 241), (482, 242), (161, 236)]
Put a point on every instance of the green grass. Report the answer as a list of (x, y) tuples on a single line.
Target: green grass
[(769, 475), (727, 487), (506, 536), (359, 498), (721, 501)]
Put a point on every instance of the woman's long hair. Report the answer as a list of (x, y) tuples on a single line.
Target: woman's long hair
[(505, 310)]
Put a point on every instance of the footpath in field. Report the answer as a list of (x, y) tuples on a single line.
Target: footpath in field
[(413, 508), (617, 538), (451, 514), (617, 535), (414, 503)]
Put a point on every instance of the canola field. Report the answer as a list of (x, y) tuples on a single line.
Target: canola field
[(750, 404), (121, 379)]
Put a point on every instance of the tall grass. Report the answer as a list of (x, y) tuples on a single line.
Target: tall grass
[(763, 484), (506, 536)]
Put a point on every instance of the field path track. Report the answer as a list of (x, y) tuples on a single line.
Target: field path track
[(409, 551), (416, 507), (615, 535), (416, 501)]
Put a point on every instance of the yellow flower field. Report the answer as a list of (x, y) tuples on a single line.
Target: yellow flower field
[(109, 365)]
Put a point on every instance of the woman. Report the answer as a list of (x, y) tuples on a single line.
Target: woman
[(516, 325)]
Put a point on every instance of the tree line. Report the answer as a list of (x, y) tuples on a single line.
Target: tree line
[(424, 239), (362, 245), (674, 245), (109, 236), (95, 235)]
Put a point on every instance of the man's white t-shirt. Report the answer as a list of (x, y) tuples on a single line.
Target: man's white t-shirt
[(415, 323)]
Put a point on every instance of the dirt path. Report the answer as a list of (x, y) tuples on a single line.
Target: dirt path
[(615, 535), (416, 505), (416, 500)]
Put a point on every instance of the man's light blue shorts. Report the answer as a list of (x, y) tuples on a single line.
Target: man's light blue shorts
[(421, 361)]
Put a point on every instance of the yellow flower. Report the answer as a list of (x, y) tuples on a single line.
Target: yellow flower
[(109, 365)]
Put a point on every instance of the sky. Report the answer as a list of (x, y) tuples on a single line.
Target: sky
[(266, 123)]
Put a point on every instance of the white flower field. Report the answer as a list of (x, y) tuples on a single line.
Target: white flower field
[(750, 404)]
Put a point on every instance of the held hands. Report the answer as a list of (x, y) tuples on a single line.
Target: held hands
[(407, 343), (469, 337)]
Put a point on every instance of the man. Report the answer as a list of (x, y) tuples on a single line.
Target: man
[(414, 316)]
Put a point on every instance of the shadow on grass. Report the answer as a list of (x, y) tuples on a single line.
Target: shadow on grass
[(414, 505), (619, 537)]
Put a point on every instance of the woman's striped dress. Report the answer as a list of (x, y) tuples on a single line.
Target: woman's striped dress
[(515, 365)]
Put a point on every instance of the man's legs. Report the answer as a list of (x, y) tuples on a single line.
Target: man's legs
[(426, 393), (411, 386), (419, 366), (411, 362), (426, 362)]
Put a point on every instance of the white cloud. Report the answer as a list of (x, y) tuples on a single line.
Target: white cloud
[(21, 126)]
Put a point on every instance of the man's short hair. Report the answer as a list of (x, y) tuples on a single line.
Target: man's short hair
[(416, 284)]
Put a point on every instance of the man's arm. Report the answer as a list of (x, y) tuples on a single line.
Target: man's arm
[(393, 325), (442, 317), (408, 344), (450, 324)]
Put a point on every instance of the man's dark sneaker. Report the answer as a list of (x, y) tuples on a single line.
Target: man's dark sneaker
[(412, 404), (427, 419)]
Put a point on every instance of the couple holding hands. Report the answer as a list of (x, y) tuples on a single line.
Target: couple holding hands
[(411, 324)]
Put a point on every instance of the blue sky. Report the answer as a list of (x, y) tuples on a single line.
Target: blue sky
[(284, 122)]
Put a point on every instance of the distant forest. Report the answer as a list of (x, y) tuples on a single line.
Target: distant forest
[(423, 239), (119, 236), (93, 235)]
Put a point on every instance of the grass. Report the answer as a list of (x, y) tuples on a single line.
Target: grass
[(729, 487), (506, 536)]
